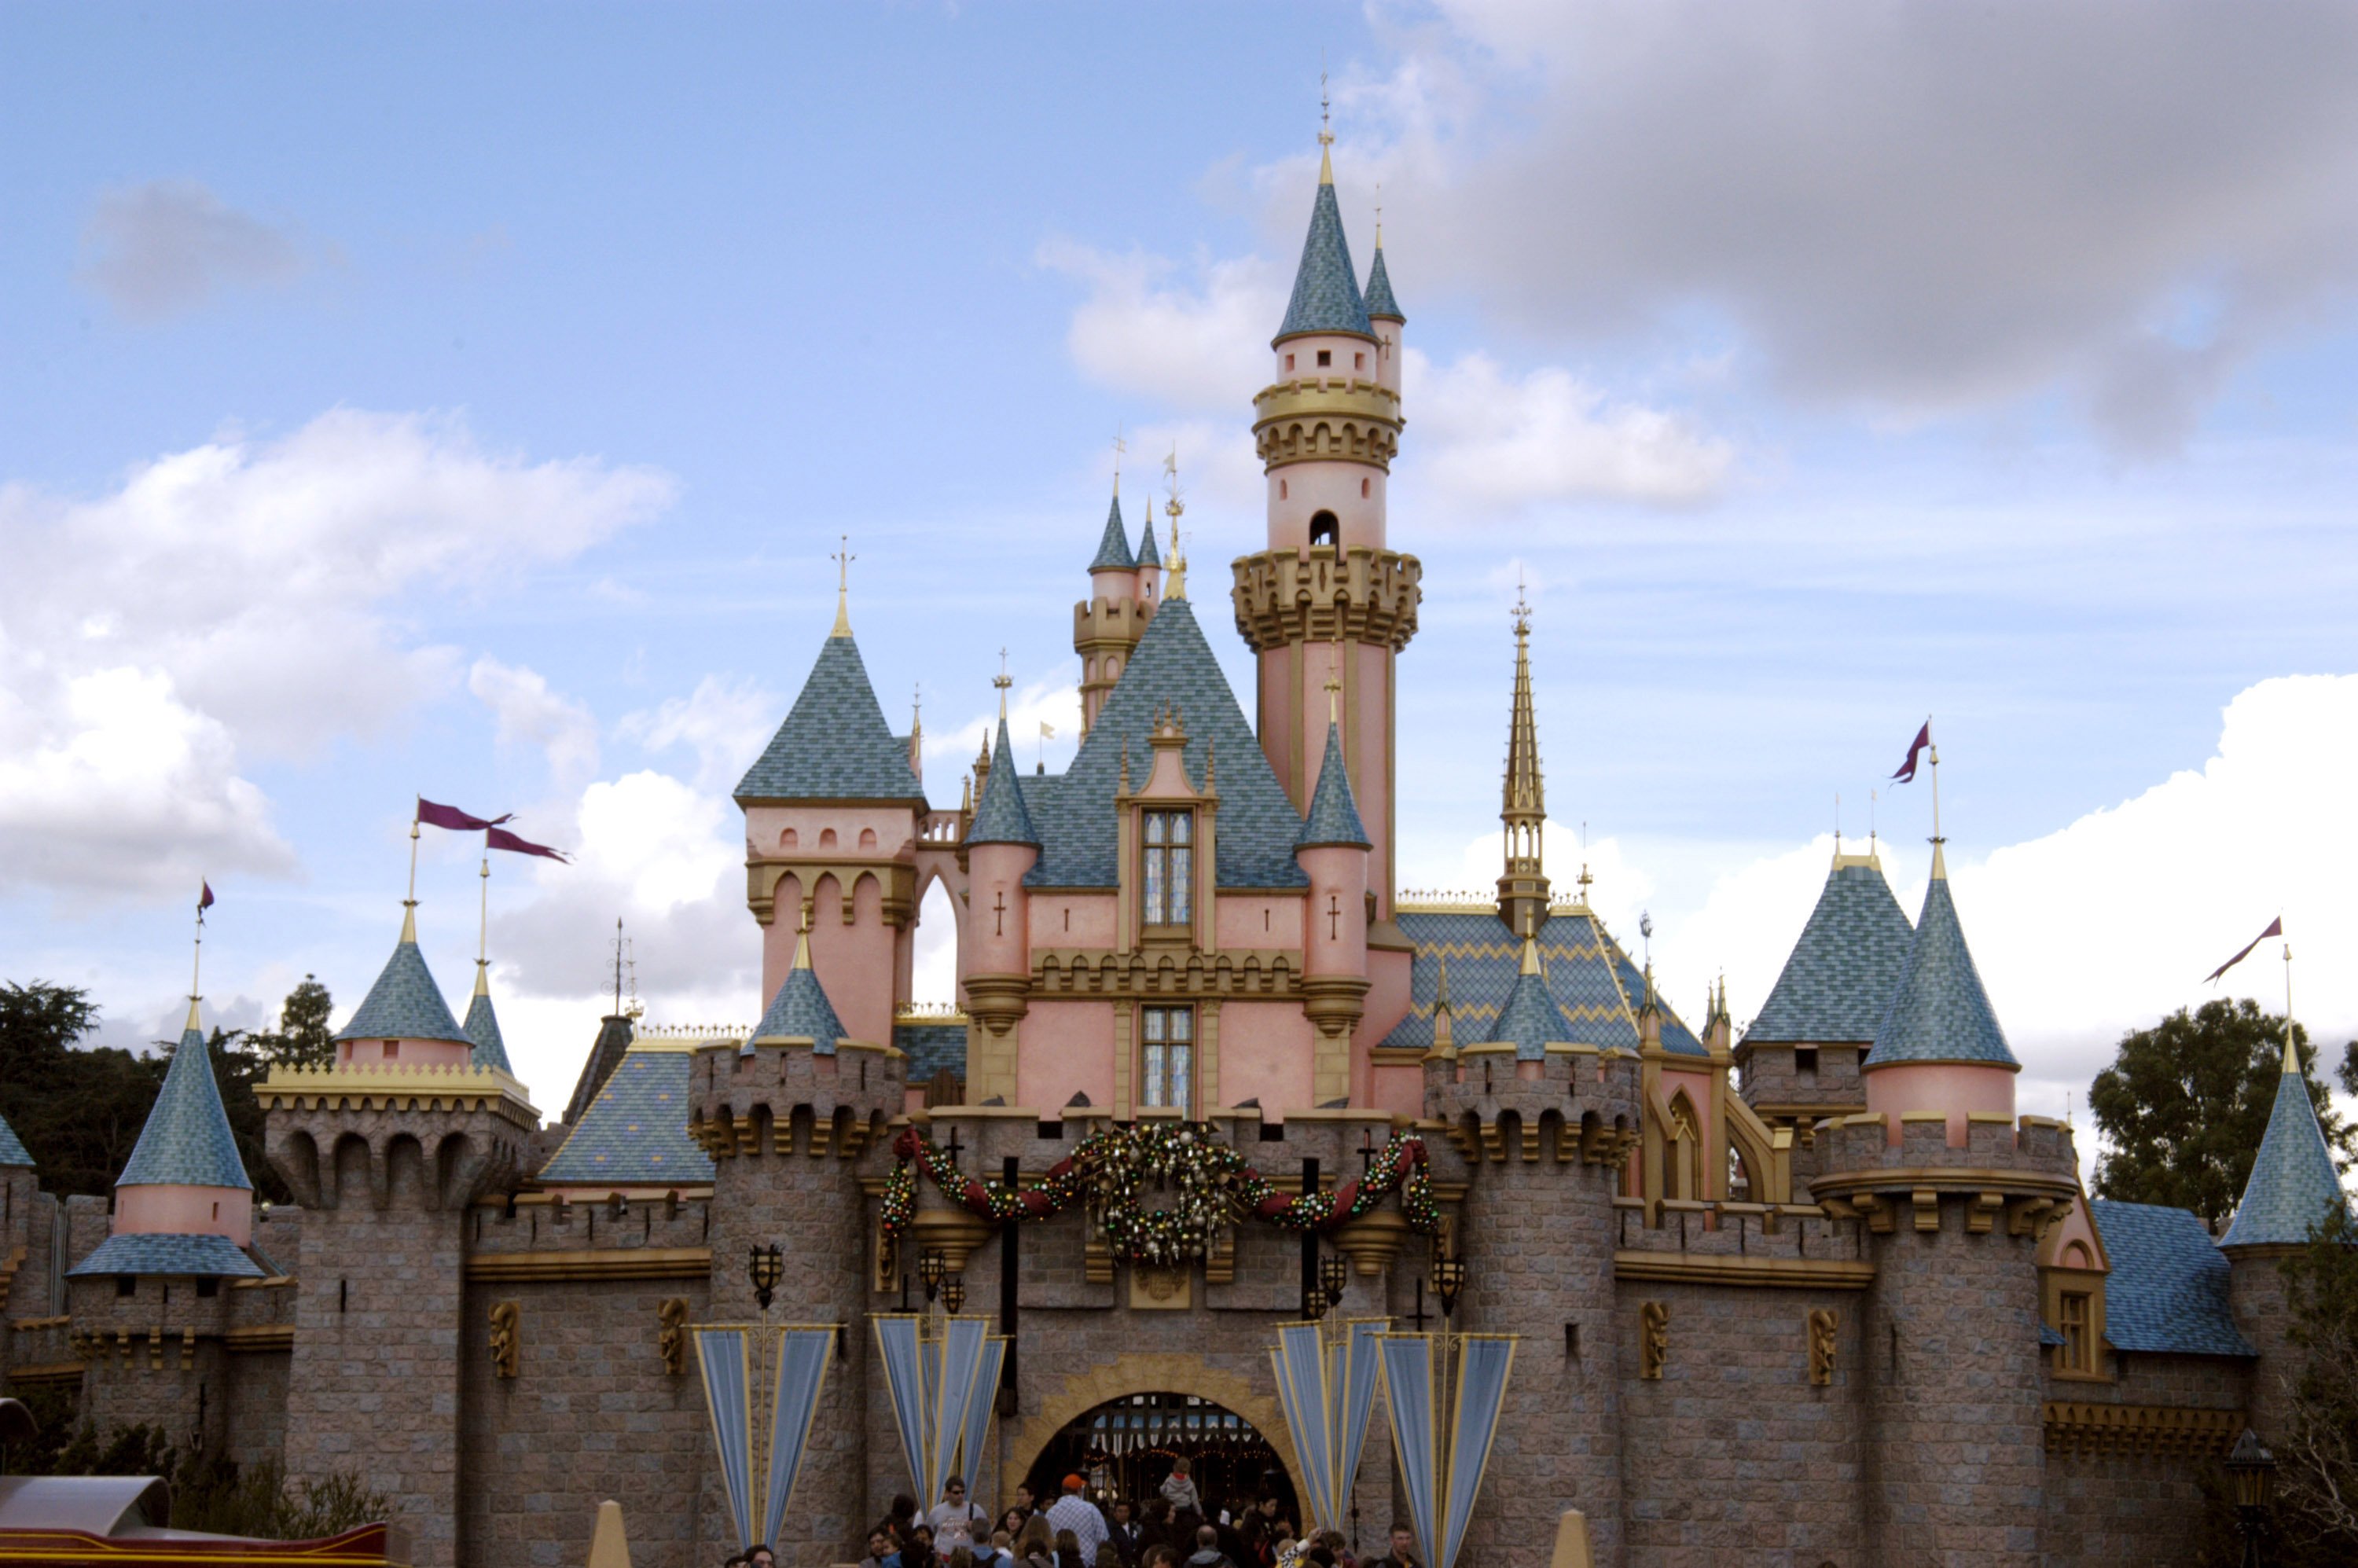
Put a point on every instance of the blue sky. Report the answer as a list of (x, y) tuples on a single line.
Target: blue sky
[(465, 401)]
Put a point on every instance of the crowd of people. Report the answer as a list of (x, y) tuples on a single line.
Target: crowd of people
[(1174, 1529)]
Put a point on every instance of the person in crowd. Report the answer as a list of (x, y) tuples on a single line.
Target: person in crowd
[(1036, 1547), (880, 1548), (1003, 1551), (1207, 1552), (1068, 1550), (954, 1517), (1025, 1501), (960, 1557), (736, 1560), (1126, 1536), (1076, 1513), (1337, 1553), (1403, 1548), (1161, 1554), (1179, 1488), (760, 1557), (1011, 1521), (918, 1549)]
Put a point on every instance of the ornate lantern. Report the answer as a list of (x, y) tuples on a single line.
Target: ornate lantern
[(1449, 1279), (767, 1267)]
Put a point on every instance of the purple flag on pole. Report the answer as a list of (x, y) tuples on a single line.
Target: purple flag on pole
[(500, 839), (450, 816), (2276, 928), (1915, 748)]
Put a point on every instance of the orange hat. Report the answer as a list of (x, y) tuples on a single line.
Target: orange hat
[(1074, 1483)]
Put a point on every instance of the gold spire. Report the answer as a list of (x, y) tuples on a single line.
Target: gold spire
[(1175, 586), (1531, 954), (1334, 683), (802, 939), (1523, 887), (1325, 135), (1002, 680), (200, 1028), (843, 558), (482, 977), (409, 920)]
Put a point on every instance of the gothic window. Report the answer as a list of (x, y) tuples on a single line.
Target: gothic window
[(1169, 882), (1685, 1152), (1324, 530), (1167, 1057), (2077, 1353)]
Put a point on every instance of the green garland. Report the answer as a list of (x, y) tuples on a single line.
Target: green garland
[(1210, 1183)]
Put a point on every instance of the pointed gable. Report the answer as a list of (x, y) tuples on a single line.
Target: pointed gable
[(12, 1150), (1532, 1018), (1113, 548), (405, 1003), (1591, 978), (834, 744), (800, 1011), (2293, 1182), (1173, 667), (636, 1129), (1379, 301), (1334, 816), (187, 1140), (1843, 973), (1326, 290), (1000, 817), (1940, 1012), (482, 1027)]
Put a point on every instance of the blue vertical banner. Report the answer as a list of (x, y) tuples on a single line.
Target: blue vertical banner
[(802, 1354), (1410, 1399), (975, 1440), (1444, 1453), (1300, 1360), (1354, 1404), (1484, 1361), (726, 1358), (959, 1369), (902, 1352)]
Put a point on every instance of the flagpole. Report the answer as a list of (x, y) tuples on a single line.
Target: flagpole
[(197, 963), (1936, 785), (413, 857), (484, 929), (2291, 1059)]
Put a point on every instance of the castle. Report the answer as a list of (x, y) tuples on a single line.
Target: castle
[(1815, 1295)]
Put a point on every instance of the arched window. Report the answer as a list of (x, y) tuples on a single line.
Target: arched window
[(1326, 530)]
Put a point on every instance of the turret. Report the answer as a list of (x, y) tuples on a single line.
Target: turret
[(1108, 624), (183, 1203), (403, 1021), (1940, 1049), (1333, 853), (1384, 313), (1523, 884), (1001, 846), (482, 1025), (1326, 427)]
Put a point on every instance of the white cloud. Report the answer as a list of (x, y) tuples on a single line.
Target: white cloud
[(1055, 701), (1920, 209), (1203, 346), (165, 247), (1500, 441), (242, 597), (725, 721), (529, 713)]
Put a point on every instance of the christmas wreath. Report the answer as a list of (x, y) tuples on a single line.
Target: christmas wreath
[(1207, 1182)]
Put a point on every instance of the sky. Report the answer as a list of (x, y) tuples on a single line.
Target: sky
[(467, 400)]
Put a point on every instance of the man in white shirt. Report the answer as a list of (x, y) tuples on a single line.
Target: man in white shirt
[(954, 1519), (1076, 1513)]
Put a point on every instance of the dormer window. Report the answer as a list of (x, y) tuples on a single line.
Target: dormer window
[(1168, 885)]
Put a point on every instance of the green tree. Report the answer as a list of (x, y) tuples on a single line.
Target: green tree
[(2182, 1107), (302, 1038), (78, 1110), (2318, 1478)]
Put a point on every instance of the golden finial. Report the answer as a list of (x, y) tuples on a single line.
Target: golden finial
[(1002, 681), (1176, 588), (1334, 684), (843, 558), (1379, 214), (1119, 447), (1325, 135), (802, 938)]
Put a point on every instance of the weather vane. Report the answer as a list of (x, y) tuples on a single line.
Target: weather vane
[(1119, 447), (1326, 133), (1002, 681)]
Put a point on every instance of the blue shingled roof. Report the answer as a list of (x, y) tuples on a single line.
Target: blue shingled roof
[(2293, 1182), (634, 1132), (1380, 289), (1326, 291), (405, 1003), (1940, 1012), (1334, 816), (12, 1150), (1113, 549), (1843, 971), (1148, 555), (2169, 1288), (187, 1140), (931, 1047), (1584, 968), (215, 1256), (1000, 817), (1073, 811), (834, 744), (800, 1011), (483, 1028), (1532, 1018)]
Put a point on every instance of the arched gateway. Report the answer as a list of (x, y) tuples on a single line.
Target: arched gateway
[(1141, 1411)]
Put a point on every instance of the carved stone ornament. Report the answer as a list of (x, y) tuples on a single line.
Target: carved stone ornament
[(671, 1335), (1823, 1322), (507, 1338), (1653, 1339)]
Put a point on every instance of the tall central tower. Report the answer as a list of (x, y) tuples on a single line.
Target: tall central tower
[(1328, 597)]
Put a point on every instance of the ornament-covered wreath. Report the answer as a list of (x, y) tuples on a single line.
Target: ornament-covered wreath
[(1209, 1184)]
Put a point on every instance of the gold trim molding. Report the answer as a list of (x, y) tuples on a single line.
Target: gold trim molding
[(1773, 1273), (622, 1263), (2167, 1430)]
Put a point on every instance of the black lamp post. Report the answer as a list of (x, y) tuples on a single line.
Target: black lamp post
[(767, 1268), (954, 1294), (1449, 1279), (2253, 1470), (933, 1268), (1314, 1302), (1334, 1275)]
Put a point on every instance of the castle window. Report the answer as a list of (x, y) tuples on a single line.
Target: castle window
[(1325, 529), (392, 1049), (1169, 868), (1166, 1057), (1359, 361), (1325, 358), (1281, 490), (1289, 362), (1365, 489), (1805, 1061), (2078, 1351)]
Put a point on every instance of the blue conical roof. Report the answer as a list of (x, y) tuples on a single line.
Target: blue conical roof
[(800, 1011), (1531, 1016), (2293, 1182), (1333, 815), (483, 1028), (405, 1003), (1843, 971), (12, 1150), (834, 743), (1148, 555), (1379, 287), (1939, 1013), (1326, 290), (1113, 548), (187, 1140), (1000, 815)]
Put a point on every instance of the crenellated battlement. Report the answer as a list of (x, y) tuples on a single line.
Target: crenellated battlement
[(791, 1098), (385, 1134), (2025, 1170), (1575, 1104)]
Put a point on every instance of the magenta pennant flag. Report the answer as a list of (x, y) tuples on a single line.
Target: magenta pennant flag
[(450, 816), (500, 839), (1915, 749), (204, 895), (2276, 928)]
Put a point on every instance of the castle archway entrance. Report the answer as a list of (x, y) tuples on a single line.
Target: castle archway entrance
[(1125, 1446)]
